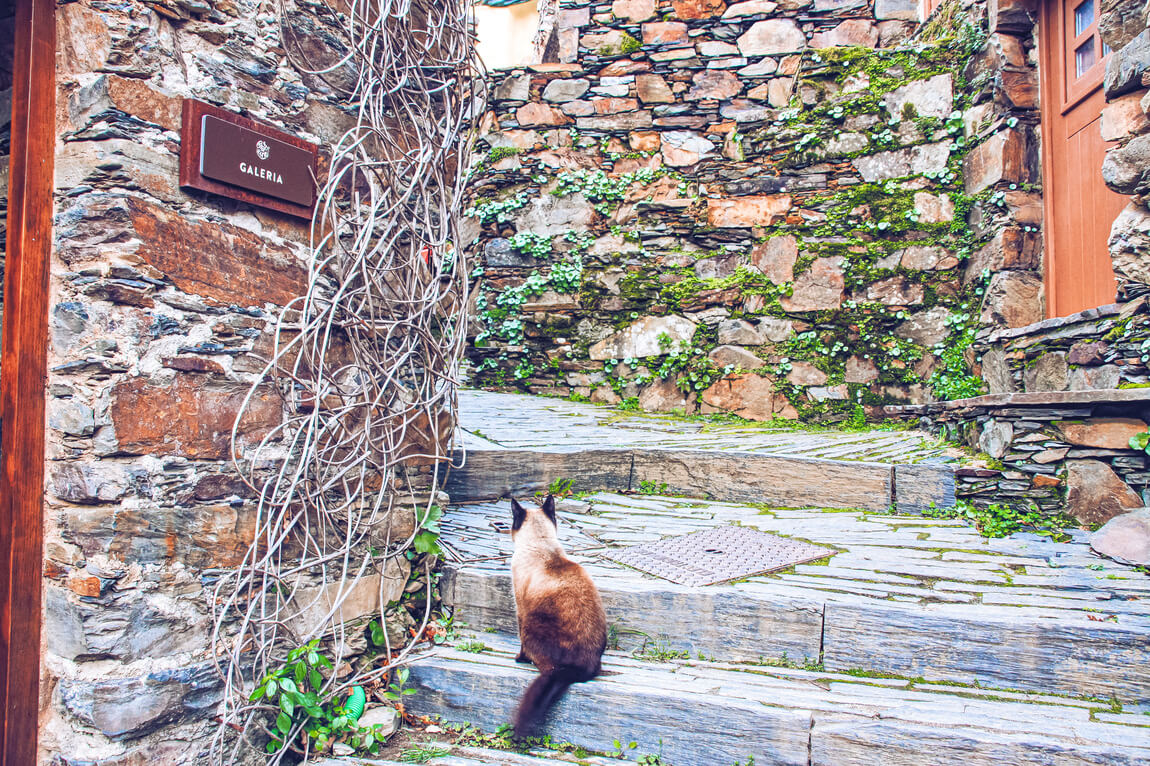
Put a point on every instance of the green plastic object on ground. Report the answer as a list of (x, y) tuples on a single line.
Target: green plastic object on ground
[(354, 705)]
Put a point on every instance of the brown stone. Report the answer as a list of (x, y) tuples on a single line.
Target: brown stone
[(714, 84), (634, 10), (852, 32), (534, 114), (1011, 248), (895, 291), (776, 258), (860, 370), (193, 417), (698, 9), (216, 260), (735, 356), (614, 105), (772, 37), (131, 96), (1095, 494), (85, 586), (644, 141), (664, 33), (1125, 538), (1087, 352), (818, 288), (653, 89), (1013, 299), (933, 208), (1123, 118), (1012, 16), (1047, 456), (83, 42), (806, 374), (1049, 372), (1020, 87), (748, 211), (193, 364), (624, 67), (665, 396), (1002, 157), (1042, 480), (747, 395), (1102, 433)]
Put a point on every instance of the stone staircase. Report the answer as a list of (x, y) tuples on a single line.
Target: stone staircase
[(918, 642)]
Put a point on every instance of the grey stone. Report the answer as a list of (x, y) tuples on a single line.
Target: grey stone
[(995, 437), (384, 716), (682, 148), (72, 417), (776, 329), (498, 253), (89, 483), (1049, 372), (820, 287), (919, 487), (1125, 67), (760, 69), (1125, 538), (749, 8), (740, 332), (903, 10), (548, 214), (926, 328), (933, 97), (1129, 244), (922, 257), (1126, 169), (646, 337), (69, 322), (771, 37), (904, 162), (561, 91), (1095, 494), (514, 88), (1106, 376), (996, 372), (125, 708)]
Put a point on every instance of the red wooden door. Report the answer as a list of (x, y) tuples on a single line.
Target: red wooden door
[(1079, 207)]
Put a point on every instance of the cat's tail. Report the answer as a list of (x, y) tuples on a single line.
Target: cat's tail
[(541, 695)]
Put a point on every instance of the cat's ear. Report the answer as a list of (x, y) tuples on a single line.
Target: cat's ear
[(549, 509), (518, 514)]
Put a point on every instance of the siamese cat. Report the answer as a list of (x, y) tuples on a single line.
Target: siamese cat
[(562, 626)]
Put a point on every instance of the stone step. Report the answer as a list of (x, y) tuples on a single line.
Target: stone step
[(704, 714), (458, 755), (958, 608)]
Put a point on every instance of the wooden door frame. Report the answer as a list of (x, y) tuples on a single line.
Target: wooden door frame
[(23, 373)]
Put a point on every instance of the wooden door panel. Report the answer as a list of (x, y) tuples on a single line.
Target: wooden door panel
[(1079, 209)]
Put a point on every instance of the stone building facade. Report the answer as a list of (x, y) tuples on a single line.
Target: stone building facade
[(771, 209), (163, 308)]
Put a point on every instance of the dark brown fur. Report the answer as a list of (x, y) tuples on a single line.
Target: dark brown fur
[(562, 626)]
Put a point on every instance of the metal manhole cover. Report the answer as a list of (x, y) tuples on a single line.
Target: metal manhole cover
[(717, 555)]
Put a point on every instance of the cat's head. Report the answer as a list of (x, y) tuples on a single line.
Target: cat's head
[(534, 522)]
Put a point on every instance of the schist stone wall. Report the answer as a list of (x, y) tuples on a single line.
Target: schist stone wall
[(1070, 392), (162, 308), (803, 208)]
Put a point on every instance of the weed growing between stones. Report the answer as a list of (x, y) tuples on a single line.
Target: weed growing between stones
[(1001, 520)]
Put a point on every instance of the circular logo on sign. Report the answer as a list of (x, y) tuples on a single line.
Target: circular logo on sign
[(262, 150)]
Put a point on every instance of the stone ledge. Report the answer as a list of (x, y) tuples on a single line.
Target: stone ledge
[(1054, 323), (1034, 399)]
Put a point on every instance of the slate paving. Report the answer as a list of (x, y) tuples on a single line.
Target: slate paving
[(904, 594), (492, 421)]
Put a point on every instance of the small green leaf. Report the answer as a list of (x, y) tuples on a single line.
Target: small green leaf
[(283, 723), (312, 658), (288, 685), (271, 689), (286, 704)]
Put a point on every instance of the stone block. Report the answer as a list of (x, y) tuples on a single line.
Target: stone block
[(1103, 377), (653, 89), (698, 9), (923, 486), (219, 261), (852, 32), (490, 474), (860, 370), (192, 417), (819, 287), (1049, 372), (625, 121), (664, 33), (903, 10), (1095, 494), (532, 115), (734, 356), (1013, 299), (926, 328), (1010, 248), (1125, 538), (895, 291), (932, 97), (1102, 433), (131, 96), (1119, 22), (772, 37), (747, 395), (613, 42), (83, 41), (1012, 16), (714, 84), (683, 148), (899, 163), (750, 8), (747, 212), (1126, 169), (924, 257), (1129, 244), (666, 396), (1002, 157), (88, 483), (806, 374), (561, 91), (312, 611), (634, 10), (776, 258), (1126, 65), (995, 437), (126, 708), (646, 337), (1124, 118)]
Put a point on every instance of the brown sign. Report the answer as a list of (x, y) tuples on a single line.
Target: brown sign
[(230, 155)]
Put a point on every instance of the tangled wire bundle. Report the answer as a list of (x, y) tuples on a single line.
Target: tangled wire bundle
[(367, 361)]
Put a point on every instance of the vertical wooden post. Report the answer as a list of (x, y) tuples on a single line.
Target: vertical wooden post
[(23, 370)]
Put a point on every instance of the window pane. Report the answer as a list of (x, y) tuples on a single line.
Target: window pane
[(1084, 57), (1106, 50), (1083, 17)]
